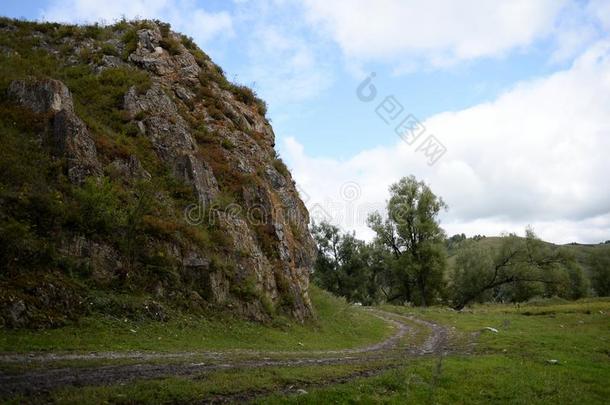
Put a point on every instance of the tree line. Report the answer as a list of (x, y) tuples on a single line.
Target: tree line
[(411, 260)]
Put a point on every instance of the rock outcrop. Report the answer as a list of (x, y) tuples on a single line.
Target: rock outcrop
[(70, 136), (206, 133)]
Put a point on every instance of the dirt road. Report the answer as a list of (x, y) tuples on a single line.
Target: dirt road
[(158, 365)]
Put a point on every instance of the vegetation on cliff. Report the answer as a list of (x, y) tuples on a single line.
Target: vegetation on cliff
[(110, 134)]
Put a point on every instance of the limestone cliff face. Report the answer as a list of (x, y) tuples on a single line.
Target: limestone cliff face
[(206, 133)]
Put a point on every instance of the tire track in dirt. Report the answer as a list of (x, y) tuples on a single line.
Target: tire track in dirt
[(45, 380)]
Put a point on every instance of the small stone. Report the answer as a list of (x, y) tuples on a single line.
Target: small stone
[(552, 361), (301, 391), (494, 330)]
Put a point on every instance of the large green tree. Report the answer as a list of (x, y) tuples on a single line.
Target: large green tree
[(514, 271), (411, 232), (346, 266), (600, 271)]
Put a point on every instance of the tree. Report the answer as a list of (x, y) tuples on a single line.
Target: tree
[(345, 265), (455, 241), (326, 273), (469, 276), (412, 234), (519, 269), (600, 271)]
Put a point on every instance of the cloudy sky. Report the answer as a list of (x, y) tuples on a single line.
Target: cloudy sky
[(509, 100)]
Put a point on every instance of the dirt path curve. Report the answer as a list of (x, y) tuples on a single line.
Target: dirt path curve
[(47, 379)]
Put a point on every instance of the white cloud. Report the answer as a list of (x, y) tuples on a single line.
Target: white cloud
[(600, 9), (285, 60), (440, 32), (184, 15), (536, 155), (284, 65)]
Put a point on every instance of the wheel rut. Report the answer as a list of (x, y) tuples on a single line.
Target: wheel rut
[(45, 380)]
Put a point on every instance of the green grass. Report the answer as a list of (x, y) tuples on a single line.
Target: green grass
[(338, 325), (464, 380), (508, 367), (187, 390)]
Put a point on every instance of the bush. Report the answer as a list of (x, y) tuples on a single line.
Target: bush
[(99, 98), (600, 271), (88, 55), (130, 39), (94, 31), (281, 167), (216, 74), (227, 144), (261, 106), (172, 45), (244, 94), (201, 134), (109, 49), (248, 96), (98, 209), (188, 42), (200, 56)]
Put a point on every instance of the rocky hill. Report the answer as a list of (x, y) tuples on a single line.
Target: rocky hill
[(136, 181)]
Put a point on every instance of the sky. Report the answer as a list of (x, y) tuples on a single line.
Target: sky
[(502, 108)]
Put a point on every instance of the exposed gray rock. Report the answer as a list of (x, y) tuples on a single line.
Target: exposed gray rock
[(103, 260), (16, 312), (72, 140), (130, 169), (111, 61), (195, 260), (70, 136), (42, 96), (171, 138), (183, 93)]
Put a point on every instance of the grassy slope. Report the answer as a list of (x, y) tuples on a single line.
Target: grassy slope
[(508, 367), (338, 325)]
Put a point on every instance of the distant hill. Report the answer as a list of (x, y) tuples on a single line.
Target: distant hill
[(581, 252)]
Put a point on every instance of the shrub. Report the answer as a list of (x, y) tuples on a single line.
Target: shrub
[(109, 49), (188, 42), (64, 31), (244, 94), (245, 289), (171, 44), (200, 56), (201, 134), (121, 25), (222, 201), (98, 208), (94, 31), (87, 55), (227, 144), (99, 98), (164, 28), (130, 39), (261, 106), (281, 167), (216, 75), (160, 227), (248, 96)]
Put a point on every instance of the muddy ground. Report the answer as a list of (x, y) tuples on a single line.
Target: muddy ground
[(391, 352)]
